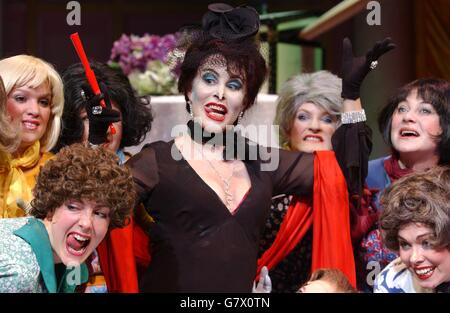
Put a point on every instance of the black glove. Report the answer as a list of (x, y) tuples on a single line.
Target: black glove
[(99, 117), (354, 69)]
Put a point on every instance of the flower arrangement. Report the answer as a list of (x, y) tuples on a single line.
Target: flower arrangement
[(147, 61)]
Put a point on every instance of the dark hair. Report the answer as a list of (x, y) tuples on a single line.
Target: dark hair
[(79, 172), (136, 116), (417, 198), (432, 90), (242, 57)]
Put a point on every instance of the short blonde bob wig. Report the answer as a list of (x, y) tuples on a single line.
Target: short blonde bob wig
[(26, 70)]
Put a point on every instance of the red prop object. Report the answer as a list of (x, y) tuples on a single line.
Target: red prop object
[(89, 72)]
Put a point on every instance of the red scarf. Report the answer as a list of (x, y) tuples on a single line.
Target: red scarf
[(394, 170), (329, 215), (118, 254)]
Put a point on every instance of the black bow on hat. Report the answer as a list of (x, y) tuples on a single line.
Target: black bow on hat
[(222, 21)]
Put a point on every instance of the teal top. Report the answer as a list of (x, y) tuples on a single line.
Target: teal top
[(26, 259)]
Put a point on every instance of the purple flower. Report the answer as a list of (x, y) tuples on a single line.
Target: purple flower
[(134, 52)]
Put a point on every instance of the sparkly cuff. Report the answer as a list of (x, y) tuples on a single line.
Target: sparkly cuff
[(353, 117)]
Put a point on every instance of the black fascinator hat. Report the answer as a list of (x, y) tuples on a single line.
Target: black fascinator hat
[(222, 21)]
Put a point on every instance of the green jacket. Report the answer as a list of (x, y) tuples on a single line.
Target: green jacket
[(26, 259)]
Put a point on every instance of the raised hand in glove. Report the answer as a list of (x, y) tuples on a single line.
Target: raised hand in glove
[(354, 69), (99, 117)]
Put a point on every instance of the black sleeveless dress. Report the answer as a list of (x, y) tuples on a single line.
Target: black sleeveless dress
[(197, 244)]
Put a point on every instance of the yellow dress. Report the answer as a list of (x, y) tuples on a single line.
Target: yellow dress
[(4, 170), (17, 179)]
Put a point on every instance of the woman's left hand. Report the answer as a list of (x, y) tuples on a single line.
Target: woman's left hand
[(99, 117), (354, 69)]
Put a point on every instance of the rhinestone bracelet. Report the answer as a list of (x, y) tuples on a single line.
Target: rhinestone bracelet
[(353, 117)]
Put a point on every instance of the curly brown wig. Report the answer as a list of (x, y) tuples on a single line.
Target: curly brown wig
[(78, 172), (417, 198)]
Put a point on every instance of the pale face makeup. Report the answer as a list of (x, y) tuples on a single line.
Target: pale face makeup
[(312, 129), (429, 264), (76, 229), (112, 141), (415, 124), (31, 109), (217, 96)]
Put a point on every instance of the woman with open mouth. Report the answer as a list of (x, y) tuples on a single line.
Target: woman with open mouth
[(34, 102), (415, 222), (209, 190), (414, 124), (80, 195), (132, 119)]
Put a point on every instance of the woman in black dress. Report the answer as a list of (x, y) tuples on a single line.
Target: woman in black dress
[(208, 197)]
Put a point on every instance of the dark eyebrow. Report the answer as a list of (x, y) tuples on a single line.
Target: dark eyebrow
[(427, 103), (101, 206), (207, 69), (232, 76), (237, 77), (429, 234)]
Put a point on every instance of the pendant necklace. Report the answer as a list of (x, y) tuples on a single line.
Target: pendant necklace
[(225, 180)]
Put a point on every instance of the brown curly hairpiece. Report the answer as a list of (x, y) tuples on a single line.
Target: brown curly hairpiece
[(417, 198), (78, 172)]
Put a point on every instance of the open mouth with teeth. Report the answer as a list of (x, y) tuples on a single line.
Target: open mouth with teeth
[(424, 272), (76, 243), (312, 138), (216, 111), (30, 125), (408, 133)]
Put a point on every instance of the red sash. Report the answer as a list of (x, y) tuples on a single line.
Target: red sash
[(329, 215)]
